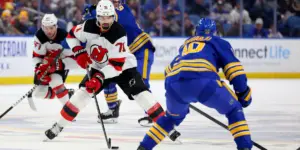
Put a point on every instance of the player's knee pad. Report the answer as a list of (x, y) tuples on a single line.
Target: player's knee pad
[(56, 80), (111, 88), (167, 123), (236, 113), (176, 118), (43, 91), (147, 101)]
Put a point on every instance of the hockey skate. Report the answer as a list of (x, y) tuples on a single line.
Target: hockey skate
[(53, 132), (71, 93), (141, 148), (111, 116), (145, 121)]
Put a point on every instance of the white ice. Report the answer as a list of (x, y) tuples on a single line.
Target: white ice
[(273, 117)]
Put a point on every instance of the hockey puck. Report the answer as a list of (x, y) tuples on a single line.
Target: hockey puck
[(115, 147)]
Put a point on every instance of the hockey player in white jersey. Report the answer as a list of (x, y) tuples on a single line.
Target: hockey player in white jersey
[(48, 42), (109, 59)]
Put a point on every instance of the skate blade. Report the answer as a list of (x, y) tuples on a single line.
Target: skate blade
[(178, 141), (46, 139), (109, 121), (145, 123)]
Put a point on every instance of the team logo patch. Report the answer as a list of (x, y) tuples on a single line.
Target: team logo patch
[(99, 54)]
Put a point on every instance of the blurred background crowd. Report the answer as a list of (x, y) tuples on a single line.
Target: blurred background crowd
[(235, 18)]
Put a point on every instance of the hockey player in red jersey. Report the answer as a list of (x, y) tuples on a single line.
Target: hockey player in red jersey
[(109, 60), (48, 42)]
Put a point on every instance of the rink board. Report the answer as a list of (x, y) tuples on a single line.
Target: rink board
[(262, 58)]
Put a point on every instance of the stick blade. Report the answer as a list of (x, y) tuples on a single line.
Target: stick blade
[(31, 103)]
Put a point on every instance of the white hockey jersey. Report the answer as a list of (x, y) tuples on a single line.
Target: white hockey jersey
[(44, 47), (114, 41)]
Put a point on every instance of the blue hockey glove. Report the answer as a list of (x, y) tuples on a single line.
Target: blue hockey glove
[(245, 97)]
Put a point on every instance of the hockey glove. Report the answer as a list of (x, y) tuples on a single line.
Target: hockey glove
[(55, 66), (40, 70), (95, 83), (81, 56), (245, 97)]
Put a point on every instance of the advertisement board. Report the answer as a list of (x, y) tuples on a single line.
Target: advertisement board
[(262, 58), (257, 55)]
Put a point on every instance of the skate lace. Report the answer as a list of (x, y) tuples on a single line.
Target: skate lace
[(108, 113)]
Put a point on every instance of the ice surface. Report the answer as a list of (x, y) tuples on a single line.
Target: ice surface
[(273, 117)]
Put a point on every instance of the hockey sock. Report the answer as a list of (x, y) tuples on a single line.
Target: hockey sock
[(146, 100), (61, 93), (157, 132), (77, 102), (111, 95), (239, 128), (112, 99), (50, 94)]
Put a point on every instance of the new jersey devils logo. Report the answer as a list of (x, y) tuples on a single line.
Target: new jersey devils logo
[(99, 54)]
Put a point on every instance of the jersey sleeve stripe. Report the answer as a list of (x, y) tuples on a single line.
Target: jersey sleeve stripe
[(37, 55)]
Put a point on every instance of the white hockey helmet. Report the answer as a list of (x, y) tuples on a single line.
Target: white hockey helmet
[(105, 8), (49, 20)]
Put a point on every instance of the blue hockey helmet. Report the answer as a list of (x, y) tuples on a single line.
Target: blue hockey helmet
[(205, 27)]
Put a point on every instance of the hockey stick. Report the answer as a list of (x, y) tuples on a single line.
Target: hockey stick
[(108, 140), (220, 123), (30, 102), (31, 90)]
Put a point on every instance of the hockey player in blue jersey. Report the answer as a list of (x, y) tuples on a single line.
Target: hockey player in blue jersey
[(192, 77), (139, 44)]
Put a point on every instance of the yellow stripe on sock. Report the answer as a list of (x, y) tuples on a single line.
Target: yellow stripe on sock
[(238, 129), (241, 134), (237, 124), (157, 133), (160, 129), (153, 137)]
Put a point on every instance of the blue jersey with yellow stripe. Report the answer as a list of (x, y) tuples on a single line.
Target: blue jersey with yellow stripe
[(137, 38), (202, 57)]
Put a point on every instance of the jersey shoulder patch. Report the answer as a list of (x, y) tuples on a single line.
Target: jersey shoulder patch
[(90, 26), (115, 32), (41, 36)]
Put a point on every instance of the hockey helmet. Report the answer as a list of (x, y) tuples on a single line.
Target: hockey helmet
[(105, 8), (105, 12), (49, 20), (205, 27)]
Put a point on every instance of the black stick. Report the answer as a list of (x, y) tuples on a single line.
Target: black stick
[(31, 90), (108, 140), (220, 123)]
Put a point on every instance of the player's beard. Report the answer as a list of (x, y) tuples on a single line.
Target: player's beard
[(105, 27)]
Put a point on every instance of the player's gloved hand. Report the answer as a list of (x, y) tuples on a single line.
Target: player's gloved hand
[(245, 97), (95, 83), (81, 56), (40, 70), (89, 12), (54, 66)]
